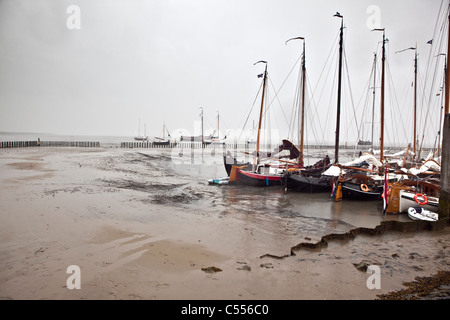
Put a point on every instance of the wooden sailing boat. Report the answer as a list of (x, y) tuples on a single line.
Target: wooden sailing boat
[(217, 140), (421, 193), (205, 140), (358, 186), (139, 137), (310, 179), (262, 174), (162, 141)]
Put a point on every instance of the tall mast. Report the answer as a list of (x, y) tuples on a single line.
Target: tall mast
[(303, 104), (442, 105), (383, 58), (374, 83), (415, 98), (139, 127), (261, 111), (218, 131), (302, 127), (447, 75), (338, 114), (201, 117), (415, 94)]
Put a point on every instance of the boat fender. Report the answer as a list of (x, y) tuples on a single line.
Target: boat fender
[(364, 187), (425, 199), (411, 210)]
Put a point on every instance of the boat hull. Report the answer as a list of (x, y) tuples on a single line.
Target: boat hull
[(257, 179), (229, 162), (407, 200), (309, 184), (161, 143), (219, 181), (418, 213), (353, 191)]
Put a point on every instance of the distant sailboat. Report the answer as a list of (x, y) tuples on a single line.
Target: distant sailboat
[(217, 140), (162, 141), (139, 137), (201, 138)]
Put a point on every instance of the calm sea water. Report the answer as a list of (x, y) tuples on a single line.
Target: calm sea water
[(315, 213), (31, 136), (311, 155)]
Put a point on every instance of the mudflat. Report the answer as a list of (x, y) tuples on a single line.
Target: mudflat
[(145, 224)]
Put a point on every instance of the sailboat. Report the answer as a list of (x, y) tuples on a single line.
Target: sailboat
[(139, 137), (363, 181), (162, 141), (217, 140), (310, 179), (359, 186), (201, 138), (267, 174), (421, 193)]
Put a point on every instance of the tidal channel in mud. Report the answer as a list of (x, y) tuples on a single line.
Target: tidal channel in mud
[(178, 178)]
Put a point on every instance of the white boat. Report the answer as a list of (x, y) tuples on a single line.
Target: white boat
[(139, 137), (219, 181), (409, 199), (157, 141), (418, 213)]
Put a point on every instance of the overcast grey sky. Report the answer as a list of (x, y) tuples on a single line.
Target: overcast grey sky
[(160, 60)]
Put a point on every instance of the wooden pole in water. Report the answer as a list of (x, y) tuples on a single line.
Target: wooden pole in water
[(444, 194), (447, 75)]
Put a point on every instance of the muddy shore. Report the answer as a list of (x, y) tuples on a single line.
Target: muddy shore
[(146, 225)]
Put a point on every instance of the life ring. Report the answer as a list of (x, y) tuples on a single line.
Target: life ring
[(425, 199), (364, 187)]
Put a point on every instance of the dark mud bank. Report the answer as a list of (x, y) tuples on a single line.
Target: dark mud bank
[(383, 227)]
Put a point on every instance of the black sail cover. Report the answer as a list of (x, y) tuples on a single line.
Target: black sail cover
[(294, 153)]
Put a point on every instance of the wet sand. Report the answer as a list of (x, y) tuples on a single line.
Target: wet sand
[(144, 224)]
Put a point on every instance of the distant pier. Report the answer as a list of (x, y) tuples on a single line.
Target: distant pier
[(182, 145), (37, 143)]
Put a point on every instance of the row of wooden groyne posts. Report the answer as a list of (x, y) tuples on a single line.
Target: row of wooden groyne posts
[(143, 145), (24, 144)]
